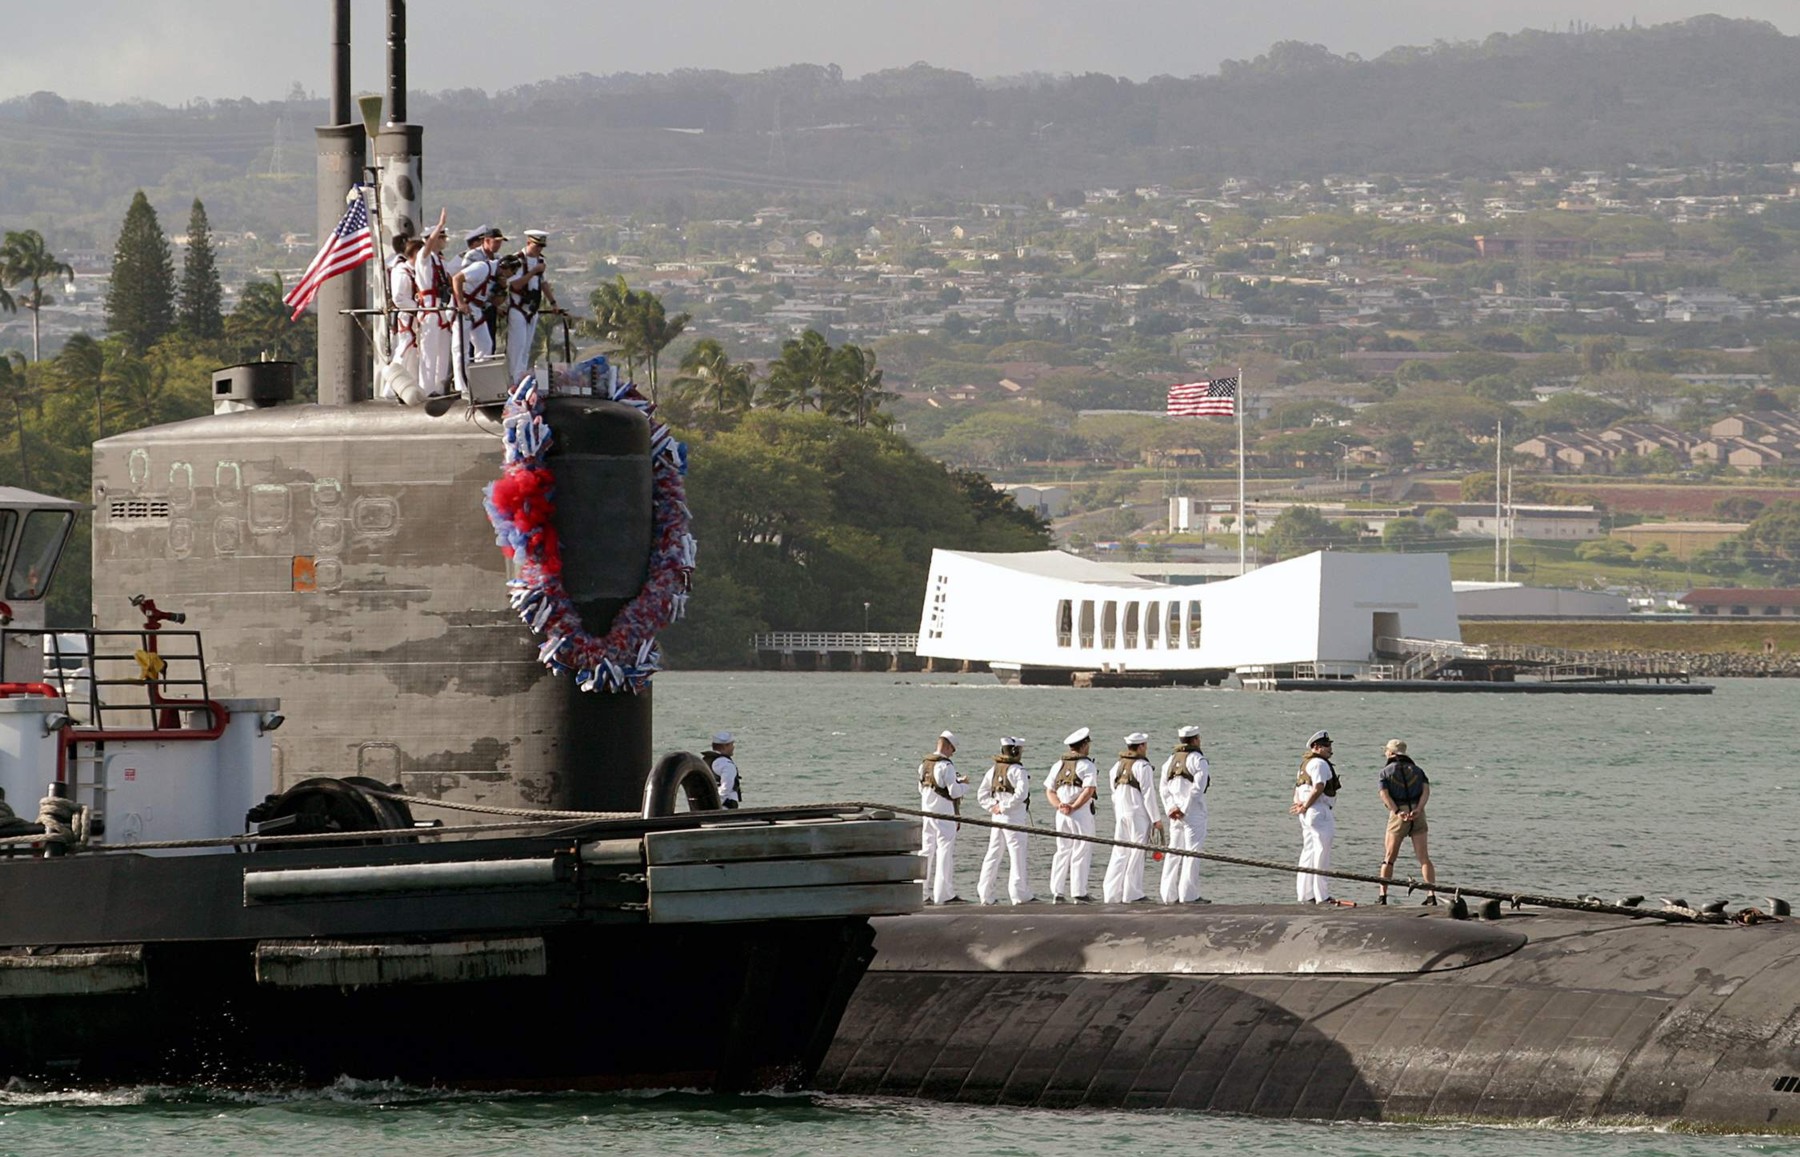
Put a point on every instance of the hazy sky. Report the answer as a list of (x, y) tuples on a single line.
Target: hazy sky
[(174, 50)]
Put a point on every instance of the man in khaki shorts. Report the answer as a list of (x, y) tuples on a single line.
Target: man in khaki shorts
[(1404, 792)]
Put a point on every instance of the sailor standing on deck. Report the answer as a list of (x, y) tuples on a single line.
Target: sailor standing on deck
[(400, 377), (725, 769), (474, 285), (1133, 780), (1005, 792), (1073, 784), (1185, 777), (1314, 788), (433, 287), (526, 292), (941, 790)]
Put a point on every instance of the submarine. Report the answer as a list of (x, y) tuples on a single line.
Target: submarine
[(1368, 1014), (313, 801)]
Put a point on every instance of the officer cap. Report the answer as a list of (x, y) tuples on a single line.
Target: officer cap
[(538, 235), (721, 738), (473, 237), (1135, 738), (1318, 738), (1188, 732), (1078, 737)]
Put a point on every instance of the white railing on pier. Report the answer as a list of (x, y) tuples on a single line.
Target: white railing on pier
[(821, 642)]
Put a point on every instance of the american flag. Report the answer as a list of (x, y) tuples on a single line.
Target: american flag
[(1217, 397), (349, 245)]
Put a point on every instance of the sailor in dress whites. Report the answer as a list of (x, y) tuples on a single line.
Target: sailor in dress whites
[(724, 768), (941, 790), (1071, 788), (400, 377), (1314, 788), (1005, 792), (1133, 780), (526, 292), (433, 287), (474, 286), (1185, 777)]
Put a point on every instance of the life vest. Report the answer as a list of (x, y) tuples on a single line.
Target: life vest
[(481, 296), (1405, 781), (1330, 786), (1068, 776), (531, 298), (1178, 764), (928, 777), (709, 756), (1127, 771), (1003, 780)]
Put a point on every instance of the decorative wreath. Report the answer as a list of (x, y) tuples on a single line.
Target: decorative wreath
[(521, 504)]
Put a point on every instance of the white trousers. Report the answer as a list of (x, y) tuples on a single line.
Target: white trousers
[(939, 850), (434, 354), (1181, 874), (1317, 829), (1012, 846), (521, 332), (1069, 866), (1125, 868)]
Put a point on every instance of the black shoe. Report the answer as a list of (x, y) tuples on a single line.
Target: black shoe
[(1084, 899), (1033, 900), (1055, 899), (1431, 899), (954, 900), (1382, 899), (928, 901), (1199, 900)]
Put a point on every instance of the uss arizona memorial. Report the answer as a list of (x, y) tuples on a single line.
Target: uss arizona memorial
[(1047, 613)]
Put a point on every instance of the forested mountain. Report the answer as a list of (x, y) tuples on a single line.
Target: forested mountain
[(1707, 89)]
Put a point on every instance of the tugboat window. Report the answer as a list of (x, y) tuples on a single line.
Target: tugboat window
[(9, 521), (39, 548)]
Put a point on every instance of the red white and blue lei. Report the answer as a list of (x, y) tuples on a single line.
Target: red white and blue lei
[(521, 504)]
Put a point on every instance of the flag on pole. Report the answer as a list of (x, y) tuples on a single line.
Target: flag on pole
[(1214, 398), (349, 245)]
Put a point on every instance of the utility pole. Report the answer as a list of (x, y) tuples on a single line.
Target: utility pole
[(1497, 507)]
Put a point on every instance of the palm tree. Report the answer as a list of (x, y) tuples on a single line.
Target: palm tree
[(615, 306), (857, 392), (260, 326), (85, 362), (712, 378), (25, 259), (13, 381), (804, 376), (655, 330)]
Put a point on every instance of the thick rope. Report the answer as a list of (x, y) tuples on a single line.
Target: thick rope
[(1516, 899), (496, 810)]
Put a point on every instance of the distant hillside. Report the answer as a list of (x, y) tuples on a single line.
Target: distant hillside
[(1708, 89)]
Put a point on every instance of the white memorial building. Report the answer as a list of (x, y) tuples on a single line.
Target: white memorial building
[(1051, 612)]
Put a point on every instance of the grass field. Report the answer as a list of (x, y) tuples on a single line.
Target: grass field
[(1726, 636)]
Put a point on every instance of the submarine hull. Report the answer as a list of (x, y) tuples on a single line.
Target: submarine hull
[(1376, 1014)]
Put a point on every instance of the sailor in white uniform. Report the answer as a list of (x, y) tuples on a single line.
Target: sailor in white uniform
[(1071, 789), (1185, 777), (1133, 783), (1314, 788), (433, 288), (527, 291), (1005, 794), (724, 768), (941, 790), (473, 286), (400, 376)]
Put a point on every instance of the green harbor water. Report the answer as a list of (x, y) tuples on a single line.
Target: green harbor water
[(1680, 796)]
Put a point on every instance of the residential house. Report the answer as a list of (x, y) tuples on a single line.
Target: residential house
[(1761, 602)]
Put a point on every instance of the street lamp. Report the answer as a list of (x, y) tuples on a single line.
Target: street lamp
[(865, 617), (1343, 471)]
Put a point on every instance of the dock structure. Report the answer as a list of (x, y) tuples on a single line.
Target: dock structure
[(844, 651), (1408, 664)]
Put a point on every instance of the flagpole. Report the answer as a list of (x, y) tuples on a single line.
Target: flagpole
[(1243, 513)]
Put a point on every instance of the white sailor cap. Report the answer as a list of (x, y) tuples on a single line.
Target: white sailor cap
[(1011, 741), (948, 735), (538, 235), (1135, 738), (1188, 732), (1078, 736), (720, 738)]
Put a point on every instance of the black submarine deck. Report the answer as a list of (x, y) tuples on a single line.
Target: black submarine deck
[(1376, 1013)]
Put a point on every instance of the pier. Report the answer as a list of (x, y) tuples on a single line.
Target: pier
[(847, 651)]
